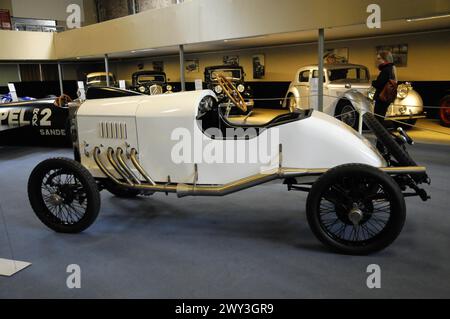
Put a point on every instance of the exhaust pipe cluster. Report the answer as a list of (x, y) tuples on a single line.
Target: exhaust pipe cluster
[(129, 179)]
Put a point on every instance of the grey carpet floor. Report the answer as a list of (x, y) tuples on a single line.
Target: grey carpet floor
[(253, 244)]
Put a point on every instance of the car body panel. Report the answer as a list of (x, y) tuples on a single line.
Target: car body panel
[(154, 124), (36, 122)]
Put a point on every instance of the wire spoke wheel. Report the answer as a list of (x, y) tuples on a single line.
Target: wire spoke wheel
[(64, 195), (349, 115), (356, 209), (358, 217)]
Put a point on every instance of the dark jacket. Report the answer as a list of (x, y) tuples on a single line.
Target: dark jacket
[(386, 74)]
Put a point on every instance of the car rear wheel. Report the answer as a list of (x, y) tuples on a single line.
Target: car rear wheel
[(356, 209), (444, 112), (64, 195)]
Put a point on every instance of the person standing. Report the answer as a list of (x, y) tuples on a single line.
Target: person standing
[(385, 62)]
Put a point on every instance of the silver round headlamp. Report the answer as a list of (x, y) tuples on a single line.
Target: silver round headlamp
[(241, 88), (218, 89), (141, 89), (169, 87)]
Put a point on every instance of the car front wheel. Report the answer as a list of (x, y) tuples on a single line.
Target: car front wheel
[(291, 103), (356, 209), (347, 114), (64, 195)]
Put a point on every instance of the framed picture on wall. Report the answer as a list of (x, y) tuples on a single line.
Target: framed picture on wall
[(192, 66), (231, 60), (5, 19), (158, 66), (399, 52), (335, 56), (259, 66)]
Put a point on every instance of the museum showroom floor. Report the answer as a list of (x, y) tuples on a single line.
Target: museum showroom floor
[(253, 244)]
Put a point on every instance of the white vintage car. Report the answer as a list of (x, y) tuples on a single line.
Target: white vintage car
[(132, 146), (342, 82)]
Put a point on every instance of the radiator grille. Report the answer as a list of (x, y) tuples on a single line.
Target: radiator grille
[(113, 130), (155, 89)]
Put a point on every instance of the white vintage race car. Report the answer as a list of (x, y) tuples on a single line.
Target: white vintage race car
[(342, 85), (186, 144)]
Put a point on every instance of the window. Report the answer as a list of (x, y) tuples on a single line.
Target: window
[(304, 76), (151, 78), (349, 75), (316, 75), (230, 74)]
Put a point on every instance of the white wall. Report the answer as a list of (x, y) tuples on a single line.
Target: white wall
[(8, 73), (427, 58), (44, 9)]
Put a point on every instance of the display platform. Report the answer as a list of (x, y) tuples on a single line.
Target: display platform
[(10, 267)]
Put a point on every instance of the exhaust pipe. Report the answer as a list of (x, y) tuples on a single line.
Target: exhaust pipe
[(122, 163), (167, 188), (183, 190)]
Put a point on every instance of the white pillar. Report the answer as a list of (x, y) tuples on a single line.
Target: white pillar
[(107, 69), (321, 73), (41, 76), (182, 79), (60, 77), (18, 73)]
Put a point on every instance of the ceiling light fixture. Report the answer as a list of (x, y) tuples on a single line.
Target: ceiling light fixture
[(428, 18), (142, 50), (246, 38)]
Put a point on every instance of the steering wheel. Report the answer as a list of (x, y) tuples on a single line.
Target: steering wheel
[(232, 93), (62, 100)]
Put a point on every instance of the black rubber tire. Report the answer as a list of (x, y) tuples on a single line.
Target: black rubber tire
[(40, 208), (377, 243), (119, 191), (400, 155), (288, 103), (340, 111)]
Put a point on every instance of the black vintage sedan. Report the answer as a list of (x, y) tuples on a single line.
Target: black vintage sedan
[(235, 75), (150, 82)]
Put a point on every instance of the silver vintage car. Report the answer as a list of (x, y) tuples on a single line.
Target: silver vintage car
[(342, 85)]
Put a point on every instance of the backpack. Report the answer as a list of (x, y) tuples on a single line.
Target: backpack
[(389, 92)]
